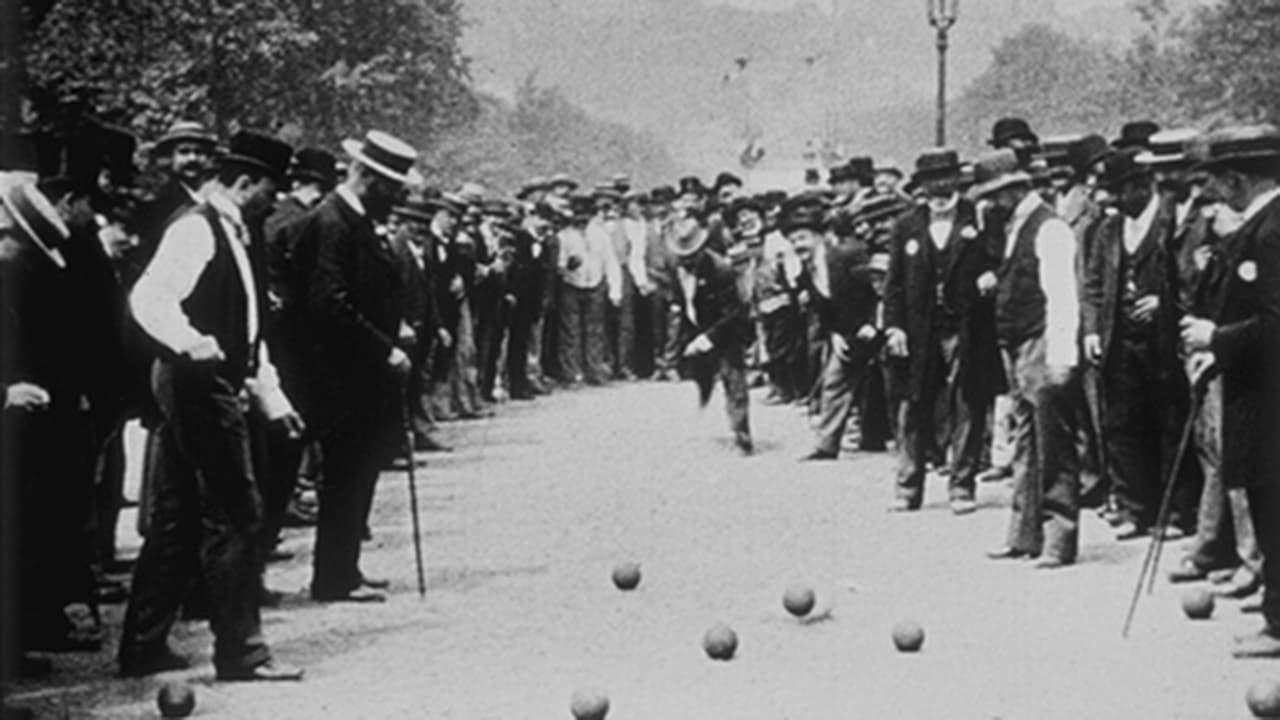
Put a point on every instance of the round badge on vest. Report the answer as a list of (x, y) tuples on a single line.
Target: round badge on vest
[(1248, 271), (912, 248)]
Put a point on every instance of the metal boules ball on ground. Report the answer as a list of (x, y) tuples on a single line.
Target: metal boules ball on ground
[(175, 700), (908, 636), (720, 642), (589, 704), (1263, 699), (798, 600), (626, 576), (1197, 603)]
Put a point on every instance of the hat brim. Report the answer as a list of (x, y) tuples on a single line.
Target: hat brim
[(997, 184), (164, 144), (682, 249), (1153, 160), (409, 177), (1244, 156), (36, 217)]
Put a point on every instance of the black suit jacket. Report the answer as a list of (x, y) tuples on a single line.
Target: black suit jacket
[(1104, 283), (911, 298), (420, 307), (355, 303), (853, 298), (722, 311), (1246, 346)]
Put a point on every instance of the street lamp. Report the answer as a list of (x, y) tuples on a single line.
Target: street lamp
[(942, 15)]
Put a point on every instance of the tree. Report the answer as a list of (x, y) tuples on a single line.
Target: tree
[(1232, 49)]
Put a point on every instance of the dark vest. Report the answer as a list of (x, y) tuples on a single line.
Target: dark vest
[(218, 305), (1020, 301)]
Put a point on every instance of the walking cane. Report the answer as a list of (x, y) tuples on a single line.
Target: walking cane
[(407, 426), (1151, 562)]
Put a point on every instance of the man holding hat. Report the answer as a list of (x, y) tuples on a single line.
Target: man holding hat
[(1036, 312), (714, 325), (200, 300), (942, 331), (356, 374), (1128, 335), (1241, 338)]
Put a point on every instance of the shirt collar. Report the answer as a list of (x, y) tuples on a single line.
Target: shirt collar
[(1138, 226), (1259, 203), (221, 202), (345, 193), (1023, 211)]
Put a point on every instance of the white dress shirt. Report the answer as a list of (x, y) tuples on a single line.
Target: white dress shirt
[(186, 248), (1136, 229), (1259, 203), (1055, 248), (595, 248), (689, 284)]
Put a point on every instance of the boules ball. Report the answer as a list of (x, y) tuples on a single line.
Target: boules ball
[(908, 636), (1197, 603), (175, 700), (589, 704), (798, 600), (1263, 699), (720, 642), (626, 576)]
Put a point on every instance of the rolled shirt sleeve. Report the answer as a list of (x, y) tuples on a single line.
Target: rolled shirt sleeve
[(156, 301), (1056, 248)]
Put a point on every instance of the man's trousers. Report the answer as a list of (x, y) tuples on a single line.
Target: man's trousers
[(206, 518), (582, 334)]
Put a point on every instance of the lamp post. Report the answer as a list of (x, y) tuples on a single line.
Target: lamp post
[(942, 15)]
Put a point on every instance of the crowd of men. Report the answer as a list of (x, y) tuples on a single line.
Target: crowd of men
[(1074, 314)]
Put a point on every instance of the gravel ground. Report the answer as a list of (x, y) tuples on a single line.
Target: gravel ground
[(525, 521)]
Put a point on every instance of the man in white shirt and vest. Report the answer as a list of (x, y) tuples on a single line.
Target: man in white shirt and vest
[(1037, 313), (200, 300), (589, 272)]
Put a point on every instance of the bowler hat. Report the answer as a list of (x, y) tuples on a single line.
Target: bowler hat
[(726, 179), (862, 169), (101, 147), (662, 194), (1121, 167), (37, 218), (687, 238), (316, 165), (889, 167), (939, 164), (1168, 148), (260, 150), (839, 174), (386, 155), (184, 131), (1011, 128), (1084, 153), (743, 203), (995, 171), (692, 184), (1135, 134), (1240, 143)]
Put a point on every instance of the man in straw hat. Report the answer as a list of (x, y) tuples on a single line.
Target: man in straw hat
[(942, 330), (714, 324), (199, 300), (1036, 320), (355, 314), (1242, 338)]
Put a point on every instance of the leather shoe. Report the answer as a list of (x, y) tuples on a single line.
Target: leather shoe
[(1258, 645), (1127, 530), (994, 474), (1187, 571), (1008, 553), (1053, 563), (745, 446), (426, 443), (358, 595), (1245, 583), (375, 583), (901, 505), (963, 506), (818, 455), (140, 665), (269, 671), (1224, 575)]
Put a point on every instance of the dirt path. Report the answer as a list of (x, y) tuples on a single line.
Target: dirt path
[(528, 517)]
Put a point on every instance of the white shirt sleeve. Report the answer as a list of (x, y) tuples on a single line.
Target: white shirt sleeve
[(612, 270), (1056, 250), (187, 246), (265, 388), (638, 233)]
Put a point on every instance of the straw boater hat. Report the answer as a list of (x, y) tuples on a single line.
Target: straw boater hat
[(386, 155), (996, 171), (687, 239), (185, 131), (562, 179), (1240, 143), (1168, 148), (37, 218)]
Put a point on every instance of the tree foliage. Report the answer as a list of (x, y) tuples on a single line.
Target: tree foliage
[(1210, 67)]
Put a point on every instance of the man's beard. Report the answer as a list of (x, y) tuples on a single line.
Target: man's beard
[(378, 206)]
